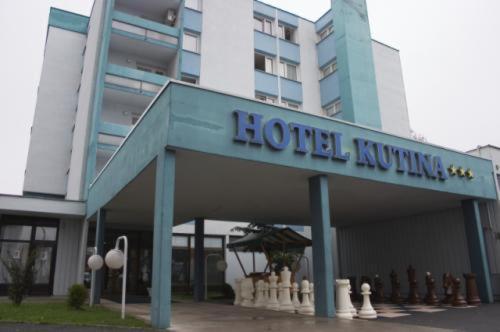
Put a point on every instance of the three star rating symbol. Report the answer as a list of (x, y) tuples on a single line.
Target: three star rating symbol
[(461, 172)]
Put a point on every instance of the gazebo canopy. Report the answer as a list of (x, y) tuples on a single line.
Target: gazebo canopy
[(270, 239)]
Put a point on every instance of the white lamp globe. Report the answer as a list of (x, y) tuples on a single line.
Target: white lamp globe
[(114, 259), (95, 262)]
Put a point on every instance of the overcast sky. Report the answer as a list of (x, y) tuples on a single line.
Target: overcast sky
[(450, 52)]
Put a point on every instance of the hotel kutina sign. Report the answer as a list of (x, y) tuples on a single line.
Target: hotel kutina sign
[(278, 135)]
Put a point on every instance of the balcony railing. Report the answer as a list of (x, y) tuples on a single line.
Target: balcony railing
[(140, 28), (134, 80)]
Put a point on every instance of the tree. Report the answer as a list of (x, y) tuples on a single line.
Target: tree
[(21, 276)]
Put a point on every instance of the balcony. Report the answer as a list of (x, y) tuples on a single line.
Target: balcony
[(266, 83), (291, 90), (141, 29), (153, 10), (289, 51), (264, 43), (330, 90), (326, 50), (133, 80)]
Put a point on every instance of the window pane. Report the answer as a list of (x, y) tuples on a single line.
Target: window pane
[(193, 4), (260, 62), (43, 263), (268, 27), (46, 233), (15, 232), (12, 250), (291, 72), (281, 31), (213, 242), (282, 69), (269, 65), (258, 24), (180, 241), (190, 43)]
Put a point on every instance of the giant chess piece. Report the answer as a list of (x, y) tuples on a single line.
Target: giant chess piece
[(395, 288), (367, 311), (343, 299), (430, 297), (247, 290), (458, 299), (305, 307), (447, 288), (273, 303), (295, 296), (285, 301), (413, 296), (379, 290), (237, 291), (266, 293), (354, 288), (471, 289), (311, 293), (259, 295), (353, 310)]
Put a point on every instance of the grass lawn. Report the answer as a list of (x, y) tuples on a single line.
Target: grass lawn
[(60, 313)]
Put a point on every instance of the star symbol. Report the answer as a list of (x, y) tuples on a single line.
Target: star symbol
[(469, 173), (452, 170), (461, 171)]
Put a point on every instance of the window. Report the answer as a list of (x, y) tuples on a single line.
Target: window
[(266, 99), (325, 32), (264, 63), (191, 42), (189, 79), (263, 25), (333, 109), (151, 69), (290, 104), (193, 4), (329, 69), (286, 32), (289, 71)]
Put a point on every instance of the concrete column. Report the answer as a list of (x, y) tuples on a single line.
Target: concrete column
[(162, 239), (199, 259), (322, 246), (477, 249), (99, 243)]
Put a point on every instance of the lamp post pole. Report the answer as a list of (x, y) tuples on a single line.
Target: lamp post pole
[(124, 273), (92, 282)]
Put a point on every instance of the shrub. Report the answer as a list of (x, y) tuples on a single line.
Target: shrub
[(77, 295), (21, 277)]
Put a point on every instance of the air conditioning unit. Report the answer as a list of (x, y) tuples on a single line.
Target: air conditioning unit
[(171, 16)]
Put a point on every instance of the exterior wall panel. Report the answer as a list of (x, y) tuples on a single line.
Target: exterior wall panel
[(433, 242), (50, 145), (68, 250)]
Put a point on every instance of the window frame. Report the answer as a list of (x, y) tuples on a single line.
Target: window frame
[(263, 21), (198, 5), (327, 29), (266, 58), (336, 106), (284, 70), (282, 32), (332, 66), (194, 35), (265, 98)]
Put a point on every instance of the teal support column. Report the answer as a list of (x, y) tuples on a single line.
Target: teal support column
[(356, 71), (99, 244), (162, 239), (477, 249), (322, 246), (199, 259)]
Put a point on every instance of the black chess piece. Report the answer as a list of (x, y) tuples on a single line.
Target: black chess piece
[(396, 288), (379, 290), (448, 288), (458, 298), (413, 296), (472, 295), (354, 289), (431, 297)]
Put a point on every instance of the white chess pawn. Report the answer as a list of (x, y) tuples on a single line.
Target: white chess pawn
[(259, 295), (237, 291), (286, 304), (343, 307), (353, 310), (295, 296), (311, 293), (247, 292), (367, 311), (273, 297), (305, 307)]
